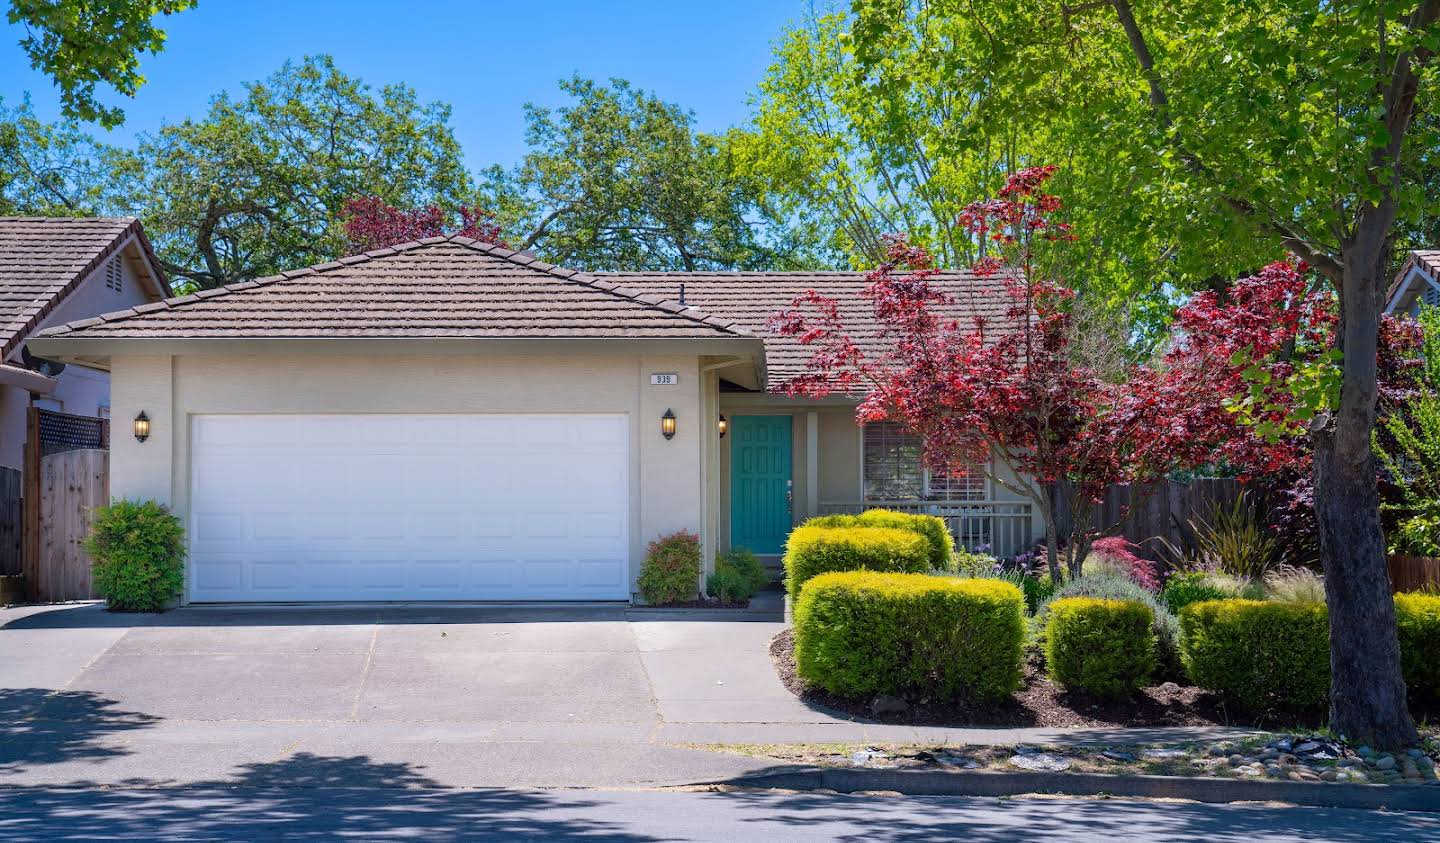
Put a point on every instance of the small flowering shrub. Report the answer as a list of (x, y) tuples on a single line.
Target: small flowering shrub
[(1118, 551), (671, 570)]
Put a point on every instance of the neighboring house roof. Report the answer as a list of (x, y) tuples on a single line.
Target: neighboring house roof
[(43, 260), (438, 287), (749, 298), (1420, 271)]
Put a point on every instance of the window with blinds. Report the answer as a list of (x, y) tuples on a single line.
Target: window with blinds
[(894, 470)]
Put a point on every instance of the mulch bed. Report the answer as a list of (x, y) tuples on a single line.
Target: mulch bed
[(1038, 703)]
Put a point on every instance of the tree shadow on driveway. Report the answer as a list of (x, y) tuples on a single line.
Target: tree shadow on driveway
[(43, 726), (303, 797)]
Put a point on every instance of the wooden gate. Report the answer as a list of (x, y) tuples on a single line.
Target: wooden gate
[(72, 484)]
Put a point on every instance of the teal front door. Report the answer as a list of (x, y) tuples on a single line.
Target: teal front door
[(760, 482)]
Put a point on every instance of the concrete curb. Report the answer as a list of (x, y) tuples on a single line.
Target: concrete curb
[(986, 783)]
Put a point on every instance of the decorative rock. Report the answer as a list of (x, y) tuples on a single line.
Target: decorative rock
[(954, 759), (1270, 752), (1040, 762), (1283, 744), (1273, 770), (1331, 775), (1385, 763), (1236, 760), (866, 757), (1414, 752), (1365, 752), (1117, 755), (1250, 771), (1162, 754), (1287, 758), (887, 704)]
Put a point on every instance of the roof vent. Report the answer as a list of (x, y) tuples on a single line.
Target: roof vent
[(682, 294)]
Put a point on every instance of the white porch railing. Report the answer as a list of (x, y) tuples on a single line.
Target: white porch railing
[(1000, 528)]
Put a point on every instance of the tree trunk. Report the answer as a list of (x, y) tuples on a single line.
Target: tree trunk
[(1367, 692), (1052, 537)]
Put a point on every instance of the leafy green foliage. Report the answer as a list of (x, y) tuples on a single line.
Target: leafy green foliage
[(737, 576), (81, 44), (943, 556), (1410, 451), (260, 184), (1418, 618), (813, 550), (970, 563), (138, 548), (1288, 584), (671, 569), (1262, 656), (1186, 587), (861, 633), (729, 585), (619, 180), (50, 169), (747, 563), (1102, 647)]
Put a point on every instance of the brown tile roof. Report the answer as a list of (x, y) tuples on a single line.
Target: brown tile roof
[(438, 287), (1427, 259), (43, 259), (749, 298)]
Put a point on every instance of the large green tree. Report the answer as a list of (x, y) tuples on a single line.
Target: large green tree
[(51, 169), (1291, 123), (259, 184), (619, 179), (84, 43)]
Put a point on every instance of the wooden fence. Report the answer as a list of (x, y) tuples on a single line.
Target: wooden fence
[(1151, 512), (72, 484), (10, 520), (1413, 573)]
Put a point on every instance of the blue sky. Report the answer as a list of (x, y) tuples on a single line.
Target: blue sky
[(484, 58)]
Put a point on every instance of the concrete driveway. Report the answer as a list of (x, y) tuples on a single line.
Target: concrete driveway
[(408, 695), (472, 695)]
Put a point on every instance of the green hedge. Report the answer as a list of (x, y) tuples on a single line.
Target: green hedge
[(1101, 647), (138, 548), (1260, 655), (813, 550), (1418, 618), (932, 527), (861, 633)]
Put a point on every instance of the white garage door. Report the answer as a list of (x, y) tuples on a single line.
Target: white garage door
[(409, 507)]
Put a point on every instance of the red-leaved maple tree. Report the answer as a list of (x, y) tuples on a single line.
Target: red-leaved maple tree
[(372, 224), (1012, 388)]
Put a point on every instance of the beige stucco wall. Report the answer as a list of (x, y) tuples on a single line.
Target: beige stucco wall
[(81, 391), (668, 480)]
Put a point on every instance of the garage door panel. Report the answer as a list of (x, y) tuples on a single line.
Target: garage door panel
[(443, 507)]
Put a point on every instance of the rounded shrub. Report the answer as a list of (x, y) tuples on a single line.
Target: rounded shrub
[(1418, 619), (671, 570), (932, 527), (748, 564), (1101, 647), (861, 633), (138, 549), (1262, 656), (726, 583), (1115, 587), (814, 550)]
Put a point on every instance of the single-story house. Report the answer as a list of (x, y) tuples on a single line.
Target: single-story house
[(451, 420), (55, 270), (1417, 283)]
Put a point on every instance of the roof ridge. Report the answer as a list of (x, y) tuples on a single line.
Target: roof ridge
[(126, 227), (649, 300)]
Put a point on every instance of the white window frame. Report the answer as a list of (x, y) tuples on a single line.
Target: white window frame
[(927, 493)]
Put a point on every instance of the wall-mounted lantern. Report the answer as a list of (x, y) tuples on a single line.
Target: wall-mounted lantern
[(142, 427), (667, 424), (724, 425)]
